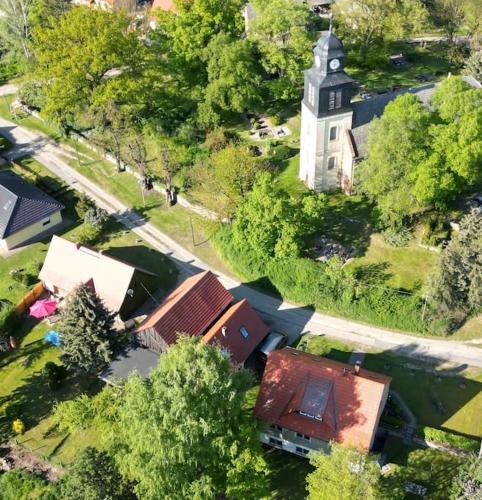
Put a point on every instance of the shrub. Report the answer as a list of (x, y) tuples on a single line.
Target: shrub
[(83, 204), (435, 232), (96, 216), (88, 234), (74, 414), (54, 374), (448, 438), (18, 427), (8, 321), (20, 484), (19, 276), (396, 237), (275, 120)]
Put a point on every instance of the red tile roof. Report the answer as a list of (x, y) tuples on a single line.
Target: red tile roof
[(190, 309), (237, 316), (321, 398)]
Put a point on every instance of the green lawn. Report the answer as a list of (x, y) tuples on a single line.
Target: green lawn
[(430, 60), (324, 346)]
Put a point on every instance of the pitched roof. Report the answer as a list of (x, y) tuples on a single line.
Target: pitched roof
[(189, 309), (321, 398), (69, 264), (244, 330), (22, 204)]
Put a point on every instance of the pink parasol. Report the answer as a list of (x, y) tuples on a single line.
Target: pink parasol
[(43, 308)]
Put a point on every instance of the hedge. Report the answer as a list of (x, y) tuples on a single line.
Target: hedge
[(305, 281), (448, 438)]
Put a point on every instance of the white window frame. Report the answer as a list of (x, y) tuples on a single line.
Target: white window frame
[(335, 128), (334, 158), (46, 221)]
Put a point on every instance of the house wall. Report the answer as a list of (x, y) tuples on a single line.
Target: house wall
[(150, 339), (30, 232), (380, 410), (139, 295), (290, 441)]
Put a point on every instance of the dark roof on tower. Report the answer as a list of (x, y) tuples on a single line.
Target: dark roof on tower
[(365, 111), (22, 204), (330, 46)]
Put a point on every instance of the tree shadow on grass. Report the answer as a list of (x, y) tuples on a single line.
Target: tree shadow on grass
[(372, 274), (33, 401)]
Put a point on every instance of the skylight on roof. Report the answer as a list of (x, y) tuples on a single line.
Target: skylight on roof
[(244, 332), (315, 398), (7, 205)]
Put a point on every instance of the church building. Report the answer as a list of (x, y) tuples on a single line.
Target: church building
[(333, 129)]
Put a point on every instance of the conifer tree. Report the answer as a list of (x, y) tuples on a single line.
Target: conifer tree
[(86, 330)]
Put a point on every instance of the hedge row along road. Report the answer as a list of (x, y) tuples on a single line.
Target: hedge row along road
[(280, 315)]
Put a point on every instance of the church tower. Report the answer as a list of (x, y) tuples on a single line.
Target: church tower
[(326, 116)]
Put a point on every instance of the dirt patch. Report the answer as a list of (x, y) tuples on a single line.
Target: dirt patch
[(14, 457)]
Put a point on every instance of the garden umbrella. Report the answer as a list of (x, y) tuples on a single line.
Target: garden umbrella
[(43, 308)]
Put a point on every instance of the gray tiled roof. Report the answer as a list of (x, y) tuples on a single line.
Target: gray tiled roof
[(22, 204), (365, 111)]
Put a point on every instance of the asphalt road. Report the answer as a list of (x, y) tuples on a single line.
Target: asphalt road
[(281, 315)]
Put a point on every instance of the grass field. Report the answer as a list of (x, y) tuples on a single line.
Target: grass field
[(431, 60)]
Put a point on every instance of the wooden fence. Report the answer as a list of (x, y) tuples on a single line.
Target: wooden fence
[(30, 298)]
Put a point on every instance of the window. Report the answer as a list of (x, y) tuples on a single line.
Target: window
[(334, 99), (46, 221), (302, 451), (244, 332), (7, 205), (303, 436), (333, 131), (311, 94), (331, 162), (276, 427), (276, 442)]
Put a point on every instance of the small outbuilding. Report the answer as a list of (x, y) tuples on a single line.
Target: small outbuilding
[(26, 213)]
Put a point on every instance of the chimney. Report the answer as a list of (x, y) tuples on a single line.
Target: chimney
[(224, 331), (357, 367)]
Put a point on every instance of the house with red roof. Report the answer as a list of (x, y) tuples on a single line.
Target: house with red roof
[(201, 306), (306, 401)]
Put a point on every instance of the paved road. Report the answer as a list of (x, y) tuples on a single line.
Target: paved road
[(280, 315)]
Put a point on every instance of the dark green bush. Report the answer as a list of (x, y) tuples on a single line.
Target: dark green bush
[(448, 438), (54, 374), (8, 319)]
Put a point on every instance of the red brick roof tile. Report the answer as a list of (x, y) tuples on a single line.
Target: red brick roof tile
[(321, 398), (189, 309), (237, 316)]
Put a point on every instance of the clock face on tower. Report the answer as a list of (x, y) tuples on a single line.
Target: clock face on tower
[(317, 61), (334, 64)]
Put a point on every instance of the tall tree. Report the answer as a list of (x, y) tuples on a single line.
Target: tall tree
[(87, 58), (397, 144), (221, 181), (473, 66), (343, 474), (186, 32), (93, 475), (16, 27), (448, 15), (87, 334), (269, 224), (455, 286), (233, 79), (185, 434), (284, 41), (371, 24)]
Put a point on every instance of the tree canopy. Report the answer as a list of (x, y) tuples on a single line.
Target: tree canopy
[(185, 434), (407, 169), (87, 335), (343, 474), (280, 30), (370, 25), (87, 58)]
